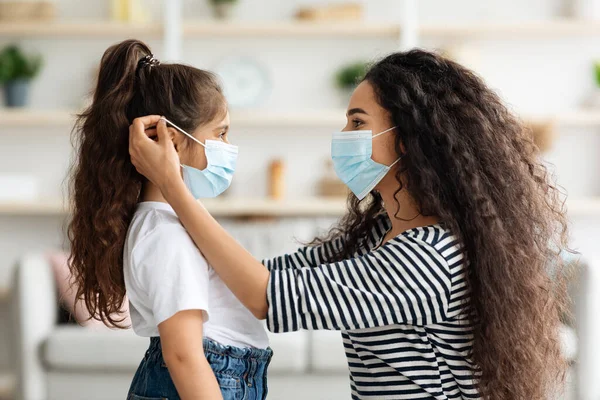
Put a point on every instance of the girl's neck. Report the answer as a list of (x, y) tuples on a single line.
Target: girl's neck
[(405, 218), (151, 192)]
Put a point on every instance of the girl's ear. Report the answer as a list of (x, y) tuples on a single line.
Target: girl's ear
[(177, 138)]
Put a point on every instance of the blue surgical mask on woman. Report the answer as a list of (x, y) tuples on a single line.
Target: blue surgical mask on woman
[(221, 159), (351, 153)]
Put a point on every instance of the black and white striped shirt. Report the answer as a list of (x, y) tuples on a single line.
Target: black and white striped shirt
[(403, 310)]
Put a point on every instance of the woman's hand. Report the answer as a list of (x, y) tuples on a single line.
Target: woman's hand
[(155, 158)]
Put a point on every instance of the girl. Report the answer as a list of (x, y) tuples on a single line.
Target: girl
[(126, 239), (437, 275)]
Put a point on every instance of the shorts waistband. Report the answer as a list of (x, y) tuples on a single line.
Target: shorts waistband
[(245, 353)]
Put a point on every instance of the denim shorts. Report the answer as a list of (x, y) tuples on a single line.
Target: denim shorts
[(240, 372)]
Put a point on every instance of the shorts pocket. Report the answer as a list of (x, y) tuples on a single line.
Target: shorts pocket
[(136, 397), (231, 387)]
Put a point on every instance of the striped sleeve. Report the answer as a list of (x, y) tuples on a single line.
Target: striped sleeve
[(314, 256), (306, 257), (405, 282)]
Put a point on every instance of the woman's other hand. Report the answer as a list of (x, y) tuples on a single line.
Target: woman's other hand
[(154, 157)]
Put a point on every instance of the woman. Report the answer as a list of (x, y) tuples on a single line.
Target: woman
[(437, 275), (126, 239)]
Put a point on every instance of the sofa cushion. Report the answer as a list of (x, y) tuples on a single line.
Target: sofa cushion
[(327, 352), (74, 348), (290, 352)]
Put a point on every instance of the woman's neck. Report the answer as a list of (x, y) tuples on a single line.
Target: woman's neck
[(407, 216)]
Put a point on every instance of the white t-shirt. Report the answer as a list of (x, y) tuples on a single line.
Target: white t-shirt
[(165, 273)]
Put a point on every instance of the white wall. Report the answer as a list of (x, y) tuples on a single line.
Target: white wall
[(535, 75)]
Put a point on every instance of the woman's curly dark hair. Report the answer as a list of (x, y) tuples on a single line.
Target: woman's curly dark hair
[(471, 162), (105, 186)]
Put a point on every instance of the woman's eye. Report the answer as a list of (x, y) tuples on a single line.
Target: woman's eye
[(357, 123), (222, 135)]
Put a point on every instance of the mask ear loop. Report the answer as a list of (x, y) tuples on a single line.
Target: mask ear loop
[(184, 132), (381, 133), (386, 131)]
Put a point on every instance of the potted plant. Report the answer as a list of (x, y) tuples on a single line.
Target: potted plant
[(223, 9), (348, 77), (16, 72), (596, 96)]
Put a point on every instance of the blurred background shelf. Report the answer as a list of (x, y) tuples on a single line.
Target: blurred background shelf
[(226, 207), (290, 29), (581, 118), (33, 118), (272, 29), (79, 29), (546, 29), (255, 207)]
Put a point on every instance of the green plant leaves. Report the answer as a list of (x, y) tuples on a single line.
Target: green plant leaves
[(350, 75), (14, 64)]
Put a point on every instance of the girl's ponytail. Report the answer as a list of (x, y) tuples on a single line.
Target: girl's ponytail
[(104, 184)]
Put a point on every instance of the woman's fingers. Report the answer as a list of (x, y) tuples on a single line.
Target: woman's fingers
[(147, 121), (163, 133), (137, 129)]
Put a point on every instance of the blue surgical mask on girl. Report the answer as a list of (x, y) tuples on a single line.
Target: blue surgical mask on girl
[(351, 153), (221, 159)]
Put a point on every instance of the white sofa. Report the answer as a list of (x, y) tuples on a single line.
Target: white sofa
[(67, 362), (72, 363)]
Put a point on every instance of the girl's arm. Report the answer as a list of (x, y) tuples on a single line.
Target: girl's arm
[(181, 341)]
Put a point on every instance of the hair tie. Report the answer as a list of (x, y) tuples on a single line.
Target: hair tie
[(148, 61)]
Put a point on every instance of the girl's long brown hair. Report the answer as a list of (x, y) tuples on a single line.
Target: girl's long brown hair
[(470, 162), (104, 185)]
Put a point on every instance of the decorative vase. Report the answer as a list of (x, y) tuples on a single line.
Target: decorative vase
[(224, 10), (16, 92)]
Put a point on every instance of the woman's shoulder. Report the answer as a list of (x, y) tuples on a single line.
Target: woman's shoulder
[(437, 237)]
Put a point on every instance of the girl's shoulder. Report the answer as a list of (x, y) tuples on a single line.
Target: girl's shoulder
[(156, 231)]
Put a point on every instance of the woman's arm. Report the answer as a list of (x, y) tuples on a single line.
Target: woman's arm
[(246, 277), (181, 341)]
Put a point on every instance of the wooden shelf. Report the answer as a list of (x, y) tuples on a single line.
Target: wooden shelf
[(248, 207), (79, 29), (545, 29), (240, 207), (276, 30), (32, 118), (292, 28), (581, 118), (584, 207), (201, 28)]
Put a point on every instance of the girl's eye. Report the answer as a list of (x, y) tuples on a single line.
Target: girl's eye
[(222, 135)]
